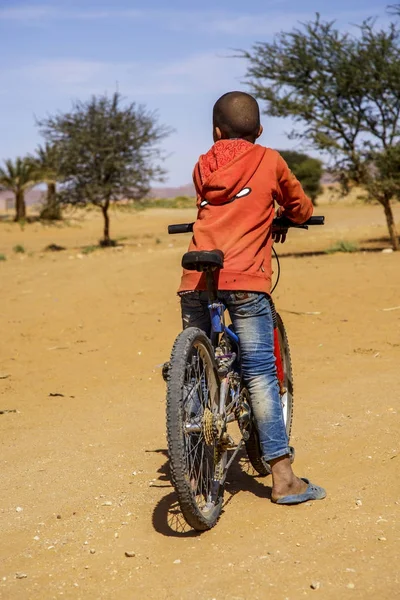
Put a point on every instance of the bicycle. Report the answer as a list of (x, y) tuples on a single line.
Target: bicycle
[(205, 394)]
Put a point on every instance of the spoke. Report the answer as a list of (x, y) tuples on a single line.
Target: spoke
[(202, 471), (195, 448), (193, 462), (199, 456)]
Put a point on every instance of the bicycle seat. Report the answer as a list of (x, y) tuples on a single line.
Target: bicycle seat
[(203, 260)]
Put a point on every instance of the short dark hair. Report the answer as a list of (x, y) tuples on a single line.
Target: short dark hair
[(237, 115)]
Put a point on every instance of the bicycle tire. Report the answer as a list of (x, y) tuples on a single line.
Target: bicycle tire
[(253, 443), (193, 386), (253, 449), (288, 376)]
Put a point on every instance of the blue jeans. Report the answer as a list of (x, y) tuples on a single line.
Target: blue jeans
[(251, 316)]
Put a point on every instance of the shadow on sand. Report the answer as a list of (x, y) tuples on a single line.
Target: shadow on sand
[(167, 517), (310, 253)]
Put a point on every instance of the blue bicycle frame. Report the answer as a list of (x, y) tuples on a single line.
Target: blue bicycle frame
[(218, 326)]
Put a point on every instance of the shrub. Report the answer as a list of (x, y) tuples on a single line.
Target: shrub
[(308, 171), (178, 202), (89, 249), (342, 246)]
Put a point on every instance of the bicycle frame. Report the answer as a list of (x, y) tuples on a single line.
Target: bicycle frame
[(217, 310)]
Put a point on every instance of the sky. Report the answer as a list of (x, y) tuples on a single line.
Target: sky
[(175, 57)]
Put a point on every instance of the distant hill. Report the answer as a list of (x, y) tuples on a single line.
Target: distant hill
[(173, 192), (31, 197), (328, 178), (37, 196)]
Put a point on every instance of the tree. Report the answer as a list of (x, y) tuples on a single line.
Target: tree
[(383, 182), (342, 90), (308, 171), (394, 9), (46, 166), (17, 177), (107, 152)]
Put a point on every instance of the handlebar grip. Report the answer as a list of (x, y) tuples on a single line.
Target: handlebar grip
[(180, 228), (320, 220), (286, 223)]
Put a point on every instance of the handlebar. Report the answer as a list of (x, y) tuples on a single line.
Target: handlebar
[(317, 220), (285, 223), (281, 222), (181, 228)]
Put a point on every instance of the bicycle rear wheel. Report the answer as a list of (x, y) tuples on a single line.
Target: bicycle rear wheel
[(192, 404), (253, 443), (287, 397)]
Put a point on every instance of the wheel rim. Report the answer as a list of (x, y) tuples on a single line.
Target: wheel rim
[(285, 399), (200, 395), (285, 406)]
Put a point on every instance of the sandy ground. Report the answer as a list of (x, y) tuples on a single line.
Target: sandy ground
[(83, 465)]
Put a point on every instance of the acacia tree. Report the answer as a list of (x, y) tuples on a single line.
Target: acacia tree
[(342, 90), (308, 170), (45, 164), (383, 182), (107, 152), (17, 176)]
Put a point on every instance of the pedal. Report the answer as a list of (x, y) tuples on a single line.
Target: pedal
[(165, 370)]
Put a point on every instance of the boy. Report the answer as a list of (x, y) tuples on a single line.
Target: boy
[(237, 182)]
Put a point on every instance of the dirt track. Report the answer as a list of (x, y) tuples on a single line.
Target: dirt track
[(84, 456)]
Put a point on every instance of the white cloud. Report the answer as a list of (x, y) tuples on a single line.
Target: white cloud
[(251, 25), (216, 22), (206, 72), (62, 72), (26, 13), (46, 12)]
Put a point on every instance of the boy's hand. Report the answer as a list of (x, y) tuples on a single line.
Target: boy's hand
[(278, 232)]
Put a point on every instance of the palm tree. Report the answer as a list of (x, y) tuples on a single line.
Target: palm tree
[(45, 164), (17, 177)]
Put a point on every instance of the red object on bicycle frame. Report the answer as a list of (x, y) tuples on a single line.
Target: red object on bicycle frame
[(278, 357)]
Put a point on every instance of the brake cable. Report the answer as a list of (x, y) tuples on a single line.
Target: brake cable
[(279, 269)]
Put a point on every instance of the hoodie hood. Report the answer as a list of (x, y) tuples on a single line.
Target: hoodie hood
[(226, 169)]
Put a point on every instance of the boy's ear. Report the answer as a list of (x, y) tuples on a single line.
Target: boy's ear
[(217, 134), (260, 131)]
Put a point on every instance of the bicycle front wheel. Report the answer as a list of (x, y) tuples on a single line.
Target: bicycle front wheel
[(192, 404)]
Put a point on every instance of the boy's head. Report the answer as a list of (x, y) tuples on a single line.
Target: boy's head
[(236, 115)]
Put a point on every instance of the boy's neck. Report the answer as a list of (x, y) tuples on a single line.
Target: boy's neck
[(232, 139)]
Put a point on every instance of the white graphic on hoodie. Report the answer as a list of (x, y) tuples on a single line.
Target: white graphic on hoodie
[(244, 192)]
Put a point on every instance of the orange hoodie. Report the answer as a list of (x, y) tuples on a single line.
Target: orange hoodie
[(237, 183)]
